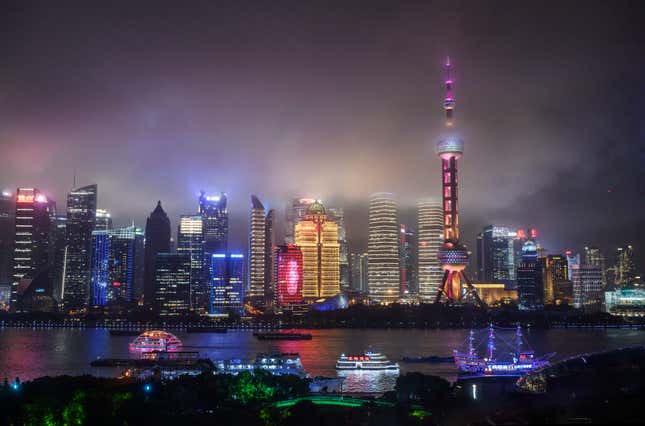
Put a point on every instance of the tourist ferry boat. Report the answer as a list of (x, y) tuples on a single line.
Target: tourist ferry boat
[(277, 364), (367, 361), (155, 341), (517, 361)]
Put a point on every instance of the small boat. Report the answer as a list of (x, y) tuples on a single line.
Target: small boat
[(282, 336), (125, 332), (367, 361), (521, 360), (428, 359)]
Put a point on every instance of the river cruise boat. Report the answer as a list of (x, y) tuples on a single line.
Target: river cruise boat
[(517, 360), (277, 364), (155, 341), (367, 361)]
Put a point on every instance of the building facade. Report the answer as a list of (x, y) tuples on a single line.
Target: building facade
[(172, 284), (7, 229), (430, 239), (317, 238), (624, 270), (496, 256), (587, 287), (190, 242), (530, 289), (257, 249), (408, 261), (358, 264), (157, 240), (227, 284), (81, 219), (383, 249), (289, 273)]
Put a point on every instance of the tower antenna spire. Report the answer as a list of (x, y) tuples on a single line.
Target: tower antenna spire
[(448, 101)]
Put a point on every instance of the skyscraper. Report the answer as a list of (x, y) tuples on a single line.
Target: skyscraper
[(172, 284), (57, 245), (358, 266), (214, 213), (587, 287), (408, 260), (269, 258), (430, 238), (81, 219), (157, 241), (530, 289), (337, 215), (289, 275), (625, 271), (495, 255), (555, 277), (453, 256), (7, 229), (593, 256), (103, 220), (227, 284), (31, 244), (190, 242), (317, 238), (383, 248), (100, 267), (257, 249), (296, 211)]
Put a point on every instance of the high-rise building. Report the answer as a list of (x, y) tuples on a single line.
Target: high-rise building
[(587, 287), (317, 238), (157, 241), (555, 274), (172, 284), (495, 255), (257, 249), (31, 245), (117, 265), (57, 245), (296, 211), (453, 255), (214, 213), (625, 271), (358, 267), (289, 275), (190, 242), (227, 284), (383, 248), (408, 259), (7, 229), (103, 220), (530, 289), (81, 219), (430, 239), (269, 258), (593, 256), (337, 215)]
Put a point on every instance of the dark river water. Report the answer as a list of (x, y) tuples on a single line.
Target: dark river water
[(28, 354)]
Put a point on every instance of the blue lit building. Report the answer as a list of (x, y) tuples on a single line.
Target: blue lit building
[(100, 267), (530, 287), (227, 284)]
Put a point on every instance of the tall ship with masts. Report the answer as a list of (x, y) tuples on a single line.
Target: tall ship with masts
[(511, 358)]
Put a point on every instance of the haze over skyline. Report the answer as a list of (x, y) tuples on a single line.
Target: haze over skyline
[(333, 100)]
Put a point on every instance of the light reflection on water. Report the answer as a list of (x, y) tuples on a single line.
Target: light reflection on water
[(368, 381), (29, 353)]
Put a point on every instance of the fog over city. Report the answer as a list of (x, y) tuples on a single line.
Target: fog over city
[(155, 101)]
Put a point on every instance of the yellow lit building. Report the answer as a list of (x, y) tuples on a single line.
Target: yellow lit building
[(495, 294), (317, 238)]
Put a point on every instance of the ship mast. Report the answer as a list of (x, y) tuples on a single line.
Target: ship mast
[(491, 342), (518, 340), (471, 347)]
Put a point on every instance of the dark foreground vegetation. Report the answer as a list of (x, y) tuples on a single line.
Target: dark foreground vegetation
[(609, 388)]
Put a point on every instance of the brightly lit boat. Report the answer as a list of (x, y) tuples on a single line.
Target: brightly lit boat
[(277, 364), (155, 340), (367, 361), (519, 362)]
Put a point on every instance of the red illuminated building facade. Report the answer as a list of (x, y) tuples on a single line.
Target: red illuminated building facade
[(288, 266)]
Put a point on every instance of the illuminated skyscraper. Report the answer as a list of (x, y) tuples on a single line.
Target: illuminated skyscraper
[(214, 213), (81, 219), (337, 215), (593, 256), (317, 238), (100, 267), (57, 245), (358, 265), (172, 284), (289, 275), (530, 289), (7, 229), (227, 284), (496, 256), (31, 245), (625, 271), (430, 238), (103, 220), (157, 241), (408, 260), (257, 249), (555, 277), (269, 258), (296, 211), (587, 287), (190, 242), (383, 248)]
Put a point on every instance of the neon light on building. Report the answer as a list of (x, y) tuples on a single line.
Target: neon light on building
[(289, 276)]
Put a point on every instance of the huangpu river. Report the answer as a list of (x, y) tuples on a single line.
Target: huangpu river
[(32, 353)]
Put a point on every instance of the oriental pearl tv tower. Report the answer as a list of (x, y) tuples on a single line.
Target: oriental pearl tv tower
[(453, 256)]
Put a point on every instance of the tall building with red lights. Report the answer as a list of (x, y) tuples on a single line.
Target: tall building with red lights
[(288, 267), (453, 256)]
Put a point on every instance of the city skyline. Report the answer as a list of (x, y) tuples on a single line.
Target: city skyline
[(213, 112)]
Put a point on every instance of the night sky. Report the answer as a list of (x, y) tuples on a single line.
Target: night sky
[(157, 100)]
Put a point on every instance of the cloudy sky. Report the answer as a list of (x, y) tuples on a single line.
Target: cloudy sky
[(157, 100)]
